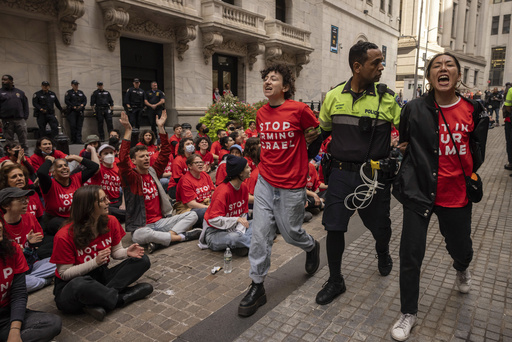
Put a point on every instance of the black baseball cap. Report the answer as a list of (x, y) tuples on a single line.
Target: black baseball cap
[(99, 83), (74, 82), (45, 83), (136, 80), (13, 192)]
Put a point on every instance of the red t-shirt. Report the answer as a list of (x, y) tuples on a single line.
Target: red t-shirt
[(228, 202), (190, 188), (18, 231), (109, 180), (207, 158), (59, 198), (179, 168), (221, 173), (222, 153), (451, 186), (175, 150), (313, 182), (151, 199), (252, 180), (168, 168), (250, 163), (37, 160), (12, 265), (215, 149), (65, 251), (35, 207), (251, 133), (284, 155)]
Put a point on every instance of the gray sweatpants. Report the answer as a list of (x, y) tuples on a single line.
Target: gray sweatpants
[(275, 208), (159, 232)]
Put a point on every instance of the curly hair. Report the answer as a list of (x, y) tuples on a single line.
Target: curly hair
[(286, 73), (143, 133), (81, 218), (200, 140), (4, 174), (252, 149), (181, 146)]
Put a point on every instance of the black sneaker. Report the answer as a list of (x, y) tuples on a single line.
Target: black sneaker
[(254, 298), (96, 312), (508, 166), (307, 216), (193, 234), (313, 259), (151, 247), (385, 263), (330, 290), (241, 251)]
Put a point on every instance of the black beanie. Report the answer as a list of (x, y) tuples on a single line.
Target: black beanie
[(235, 165)]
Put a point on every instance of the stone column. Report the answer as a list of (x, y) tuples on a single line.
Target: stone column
[(459, 23), (472, 28), (447, 23), (433, 20)]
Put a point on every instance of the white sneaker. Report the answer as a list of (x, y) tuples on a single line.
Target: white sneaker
[(463, 281), (402, 328)]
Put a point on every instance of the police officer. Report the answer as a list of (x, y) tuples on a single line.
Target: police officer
[(13, 112), (155, 100), (103, 105), (76, 101), (44, 102), (134, 102), (358, 113)]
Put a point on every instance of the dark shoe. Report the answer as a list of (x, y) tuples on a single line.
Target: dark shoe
[(330, 290), (313, 259), (96, 312), (134, 293), (508, 166), (193, 234), (385, 263), (241, 251), (308, 216), (254, 298), (151, 247)]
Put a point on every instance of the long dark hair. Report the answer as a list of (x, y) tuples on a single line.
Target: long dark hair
[(143, 133), (81, 218), (251, 150), (431, 61), (39, 141), (181, 146), (6, 246)]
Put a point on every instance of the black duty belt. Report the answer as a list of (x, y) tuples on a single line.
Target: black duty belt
[(347, 166)]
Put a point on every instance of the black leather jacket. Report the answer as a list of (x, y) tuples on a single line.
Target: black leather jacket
[(416, 183)]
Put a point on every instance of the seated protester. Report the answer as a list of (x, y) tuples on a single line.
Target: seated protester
[(314, 202), (225, 222), (17, 323), (215, 149), (202, 131), (251, 132), (58, 191), (148, 210), (44, 147), (114, 138), (16, 154), (203, 150), (179, 165), (82, 251), (166, 176), (322, 187), (92, 140), (186, 133), (108, 178), (175, 139), (23, 228), (194, 190), (148, 138), (235, 150), (238, 137), (225, 145), (251, 146)]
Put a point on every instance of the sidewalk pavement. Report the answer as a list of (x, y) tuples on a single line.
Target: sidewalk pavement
[(191, 304)]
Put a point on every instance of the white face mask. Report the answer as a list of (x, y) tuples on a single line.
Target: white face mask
[(190, 148), (109, 158)]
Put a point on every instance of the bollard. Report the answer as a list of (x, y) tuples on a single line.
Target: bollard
[(62, 142), (135, 137)]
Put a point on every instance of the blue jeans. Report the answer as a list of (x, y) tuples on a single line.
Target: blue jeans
[(497, 111), (276, 208), (219, 240)]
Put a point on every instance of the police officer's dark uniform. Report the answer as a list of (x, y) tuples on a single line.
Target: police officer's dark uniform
[(13, 112), (102, 103), (134, 102), (76, 101), (341, 115), (154, 97), (44, 103)]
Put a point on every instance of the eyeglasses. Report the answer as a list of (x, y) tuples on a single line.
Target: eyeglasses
[(23, 199)]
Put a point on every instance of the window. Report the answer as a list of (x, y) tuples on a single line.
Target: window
[(497, 66), (281, 10), (231, 2), (495, 25), (465, 76), (506, 24), (466, 20), (390, 7), (496, 2), (382, 5), (454, 16), (475, 78)]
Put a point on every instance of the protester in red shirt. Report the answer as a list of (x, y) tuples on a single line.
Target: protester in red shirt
[(225, 144), (58, 191), (16, 154), (280, 192), (202, 131), (148, 209), (179, 165), (221, 174), (175, 139), (147, 137), (314, 201), (17, 323), (216, 147), (225, 221), (108, 178), (203, 150), (195, 189), (44, 147), (23, 228), (251, 132), (82, 252)]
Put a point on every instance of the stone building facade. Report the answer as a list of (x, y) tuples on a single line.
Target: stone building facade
[(188, 46), (499, 47), (431, 26)]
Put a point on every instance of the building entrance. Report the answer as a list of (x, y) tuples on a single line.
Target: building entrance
[(225, 70)]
